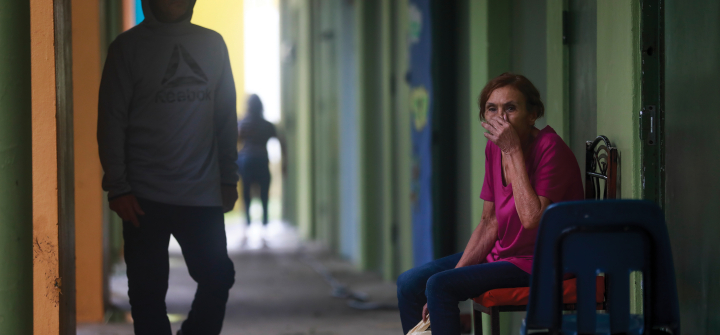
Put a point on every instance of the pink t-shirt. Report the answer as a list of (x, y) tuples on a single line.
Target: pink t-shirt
[(554, 174)]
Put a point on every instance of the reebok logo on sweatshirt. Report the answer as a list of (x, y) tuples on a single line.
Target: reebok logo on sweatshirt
[(182, 87)]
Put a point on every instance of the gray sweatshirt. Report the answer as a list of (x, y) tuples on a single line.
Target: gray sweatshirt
[(167, 123)]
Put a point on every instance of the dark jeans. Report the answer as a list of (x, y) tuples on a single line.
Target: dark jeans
[(444, 286), (201, 234), (254, 171)]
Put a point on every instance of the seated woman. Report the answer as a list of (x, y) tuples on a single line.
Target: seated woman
[(526, 170)]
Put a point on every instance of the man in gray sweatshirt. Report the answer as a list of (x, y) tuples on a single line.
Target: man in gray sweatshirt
[(167, 133)]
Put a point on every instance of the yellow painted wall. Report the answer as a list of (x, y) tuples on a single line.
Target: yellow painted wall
[(46, 274), (88, 172), (226, 17)]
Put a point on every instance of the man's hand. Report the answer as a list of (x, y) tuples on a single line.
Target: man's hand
[(128, 208), (502, 133), (229, 197), (425, 313)]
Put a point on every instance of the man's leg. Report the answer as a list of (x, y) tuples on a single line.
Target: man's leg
[(411, 289), (146, 256), (201, 234), (447, 288)]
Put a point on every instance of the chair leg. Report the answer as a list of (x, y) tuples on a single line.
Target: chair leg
[(477, 322), (495, 321)]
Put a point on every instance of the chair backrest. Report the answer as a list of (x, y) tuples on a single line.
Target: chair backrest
[(601, 160), (614, 237)]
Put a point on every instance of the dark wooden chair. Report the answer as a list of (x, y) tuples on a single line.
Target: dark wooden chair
[(601, 160)]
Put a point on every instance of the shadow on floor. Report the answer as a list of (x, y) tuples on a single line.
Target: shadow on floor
[(276, 291)]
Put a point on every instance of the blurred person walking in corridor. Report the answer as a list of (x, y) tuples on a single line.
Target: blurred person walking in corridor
[(167, 141), (254, 132)]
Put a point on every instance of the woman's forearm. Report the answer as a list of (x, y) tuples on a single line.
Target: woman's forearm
[(479, 246), (527, 203), (481, 241)]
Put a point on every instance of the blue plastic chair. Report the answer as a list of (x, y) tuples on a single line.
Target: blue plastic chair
[(614, 237)]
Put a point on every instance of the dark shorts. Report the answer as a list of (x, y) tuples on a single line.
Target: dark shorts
[(253, 169)]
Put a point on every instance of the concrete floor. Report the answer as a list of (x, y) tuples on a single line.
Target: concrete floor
[(276, 291)]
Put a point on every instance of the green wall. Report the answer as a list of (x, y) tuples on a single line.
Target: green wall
[(402, 157), (556, 103), (371, 113), (289, 16), (303, 121), (528, 50), (325, 123), (692, 37), (618, 98), (618, 86), (16, 291)]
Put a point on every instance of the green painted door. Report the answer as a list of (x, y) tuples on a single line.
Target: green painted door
[(582, 44), (692, 140)]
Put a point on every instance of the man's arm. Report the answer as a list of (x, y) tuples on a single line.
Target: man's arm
[(482, 239), (113, 108), (226, 133)]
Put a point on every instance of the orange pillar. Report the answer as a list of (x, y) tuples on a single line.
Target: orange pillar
[(88, 172), (47, 282), (128, 7)]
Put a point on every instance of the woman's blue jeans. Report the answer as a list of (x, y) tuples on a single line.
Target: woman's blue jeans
[(442, 286)]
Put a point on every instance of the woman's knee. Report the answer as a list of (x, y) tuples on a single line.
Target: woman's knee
[(409, 283), (440, 286)]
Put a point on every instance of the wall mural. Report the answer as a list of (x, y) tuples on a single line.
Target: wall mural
[(420, 81)]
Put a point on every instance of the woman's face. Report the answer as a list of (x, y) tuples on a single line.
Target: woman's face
[(170, 10), (509, 104)]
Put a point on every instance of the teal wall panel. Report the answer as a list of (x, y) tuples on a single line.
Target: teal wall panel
[(349, 153)]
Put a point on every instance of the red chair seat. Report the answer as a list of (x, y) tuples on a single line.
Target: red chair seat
[(519, 296)]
